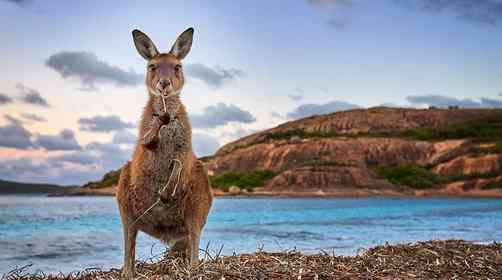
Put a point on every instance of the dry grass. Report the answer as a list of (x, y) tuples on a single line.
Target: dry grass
[(451, 259)]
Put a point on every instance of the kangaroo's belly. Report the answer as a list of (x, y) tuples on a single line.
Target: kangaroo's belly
[(165, 222)]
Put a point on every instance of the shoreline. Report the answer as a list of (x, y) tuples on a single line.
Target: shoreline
[(308, 194)]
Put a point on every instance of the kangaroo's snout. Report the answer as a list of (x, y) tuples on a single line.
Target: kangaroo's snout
[(164, 86)]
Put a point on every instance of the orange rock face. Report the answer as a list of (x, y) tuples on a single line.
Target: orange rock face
[(362, 152), (326, 178), (468, 165)]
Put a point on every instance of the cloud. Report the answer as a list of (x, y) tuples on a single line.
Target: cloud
[(445, 101), (482, 11), (110, 155), (297, 95), (33, 117), (213, 77), (204, 144), (13, 120), (31, 96), (391, 105), (71, 164), (91, 71), (14, 135), (124, 137), (84, 158), (5, 99), (338, 23), (103, 124), (64, 141), (18, 2), (221, 114), (49, 171), (88, 164), (330, 3), (490, 103), (339, 10), (277, 115), (307, 110), (24, 170), (236, 133)]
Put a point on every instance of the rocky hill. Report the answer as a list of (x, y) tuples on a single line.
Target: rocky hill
[(370, 151), (376, 151)]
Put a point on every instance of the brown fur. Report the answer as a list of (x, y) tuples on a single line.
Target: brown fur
[(182, 207)]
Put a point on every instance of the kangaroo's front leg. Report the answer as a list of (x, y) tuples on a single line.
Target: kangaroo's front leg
[(151, 137)]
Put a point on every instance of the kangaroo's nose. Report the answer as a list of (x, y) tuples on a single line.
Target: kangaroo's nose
[(164, 84)]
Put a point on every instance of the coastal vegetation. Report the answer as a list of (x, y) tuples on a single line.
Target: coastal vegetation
[(299, 133), (414, 176), (483, 129), (109, 179), (420, 177), (247, 181), (487, 129), (493, 185)]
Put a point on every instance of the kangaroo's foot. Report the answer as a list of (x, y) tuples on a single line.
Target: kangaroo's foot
[(127, 274)]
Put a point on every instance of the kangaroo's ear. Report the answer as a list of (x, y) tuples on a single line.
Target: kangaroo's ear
[(183, 44), (144, 45)]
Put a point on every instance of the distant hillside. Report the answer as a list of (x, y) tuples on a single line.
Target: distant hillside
[(376, 151), (9, 187), (389, 151), (107, 186)]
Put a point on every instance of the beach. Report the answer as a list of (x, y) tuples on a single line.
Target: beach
[(70, 234)]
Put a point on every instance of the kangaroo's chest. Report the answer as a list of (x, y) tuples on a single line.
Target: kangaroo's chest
[(173, 138)]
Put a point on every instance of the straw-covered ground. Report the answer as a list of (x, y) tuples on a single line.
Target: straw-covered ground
[(453, 259)]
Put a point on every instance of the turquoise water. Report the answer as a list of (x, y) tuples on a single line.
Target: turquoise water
[(72, 233)]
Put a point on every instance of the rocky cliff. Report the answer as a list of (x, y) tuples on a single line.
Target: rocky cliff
[(374, 151)]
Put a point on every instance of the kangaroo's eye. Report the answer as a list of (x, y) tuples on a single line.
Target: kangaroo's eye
[(177, 68), (152, 67)]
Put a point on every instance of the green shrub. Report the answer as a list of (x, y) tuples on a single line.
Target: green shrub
[(302, 134), (492, 186), (109, 179), (414, 176), (483, 130), (247, 181), (421, 134), (472, 176)]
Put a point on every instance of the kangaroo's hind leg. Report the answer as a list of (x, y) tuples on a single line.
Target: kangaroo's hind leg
[(129, 230), (130, 234)]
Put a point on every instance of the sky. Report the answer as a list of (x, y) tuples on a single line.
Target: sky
[(72, 84)]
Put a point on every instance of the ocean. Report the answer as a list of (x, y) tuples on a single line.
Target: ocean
[(65, 234)]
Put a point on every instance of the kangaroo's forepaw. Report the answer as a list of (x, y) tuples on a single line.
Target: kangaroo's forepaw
[(172, 193)]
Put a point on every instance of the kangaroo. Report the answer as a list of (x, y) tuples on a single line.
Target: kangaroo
[(164, 191)]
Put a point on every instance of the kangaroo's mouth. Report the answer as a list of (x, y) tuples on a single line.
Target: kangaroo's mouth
[(171, 93), (165, 93)]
